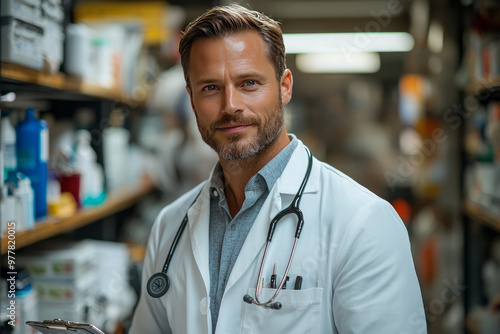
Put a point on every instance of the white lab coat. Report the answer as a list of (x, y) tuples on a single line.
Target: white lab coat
[(353, 254)]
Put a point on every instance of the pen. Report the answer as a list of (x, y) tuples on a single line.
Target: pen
[(273, 278), (284, 284), (298, 283)]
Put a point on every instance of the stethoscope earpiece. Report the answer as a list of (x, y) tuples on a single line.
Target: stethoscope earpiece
[(158, 285)]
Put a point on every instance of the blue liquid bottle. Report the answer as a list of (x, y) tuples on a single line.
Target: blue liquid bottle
[(32, 147)]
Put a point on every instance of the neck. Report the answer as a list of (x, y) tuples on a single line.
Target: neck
[(238, 172)]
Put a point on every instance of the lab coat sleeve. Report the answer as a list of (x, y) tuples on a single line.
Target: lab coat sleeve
[(375, 286), (150, 315)]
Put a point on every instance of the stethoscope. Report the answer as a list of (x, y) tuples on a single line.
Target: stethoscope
[(159, 283)]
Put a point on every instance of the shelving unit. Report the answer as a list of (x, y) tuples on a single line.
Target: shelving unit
[(60, 86), (481, 223), (482, 214), (52, 226), (490, 87), (69, 104), (17, 74)]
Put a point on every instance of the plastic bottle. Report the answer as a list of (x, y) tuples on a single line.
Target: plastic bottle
[(78, 46), (91, 182), (7, 208), (116, 153), (8, 146), (19, 186), (32, 154)]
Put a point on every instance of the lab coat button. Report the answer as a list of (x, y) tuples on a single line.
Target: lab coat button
[(204, 305), (215, 192)]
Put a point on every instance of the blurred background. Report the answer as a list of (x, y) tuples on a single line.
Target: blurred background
[(97, 135)]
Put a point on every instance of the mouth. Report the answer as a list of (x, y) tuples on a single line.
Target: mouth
[(233, 128)]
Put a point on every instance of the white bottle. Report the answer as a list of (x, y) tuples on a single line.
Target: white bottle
[(8, 208), (116, 153), (78, 50), (19, 188), (8, 146), (91, 181), (26, 201)]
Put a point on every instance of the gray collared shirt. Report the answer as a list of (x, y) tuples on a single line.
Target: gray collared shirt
[(226, 235)]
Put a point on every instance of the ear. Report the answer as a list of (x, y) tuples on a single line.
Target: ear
[(191, 98), (286, 85)]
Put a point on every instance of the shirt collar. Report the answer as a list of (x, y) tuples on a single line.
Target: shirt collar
[(269, 173)]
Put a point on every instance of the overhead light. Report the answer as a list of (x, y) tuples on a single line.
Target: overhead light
[(348, 42), (361, 62), (328, 9)]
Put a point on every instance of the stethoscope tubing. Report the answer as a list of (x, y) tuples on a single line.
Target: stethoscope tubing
[(282, 282), (293, 208), (159, 283), (175, 242)]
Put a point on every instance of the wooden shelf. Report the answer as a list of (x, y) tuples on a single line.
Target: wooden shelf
[(490, 87), (482, 214), (52, 226), (64, 83)]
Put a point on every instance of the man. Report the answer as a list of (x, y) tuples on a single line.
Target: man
[(353, 254)]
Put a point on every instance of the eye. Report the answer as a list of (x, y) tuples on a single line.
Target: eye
[(210, 88), (250, 83)]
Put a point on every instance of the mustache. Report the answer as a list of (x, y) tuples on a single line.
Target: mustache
[(227, 119)]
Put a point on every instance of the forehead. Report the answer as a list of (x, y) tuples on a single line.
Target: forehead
[(238, 50)]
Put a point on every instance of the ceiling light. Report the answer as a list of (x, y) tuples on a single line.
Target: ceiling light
[(338, 62), (348, 42)]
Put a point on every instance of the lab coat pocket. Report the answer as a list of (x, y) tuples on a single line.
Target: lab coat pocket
[(300, 312)]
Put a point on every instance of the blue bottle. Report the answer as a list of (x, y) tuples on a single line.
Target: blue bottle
[(32, 148)]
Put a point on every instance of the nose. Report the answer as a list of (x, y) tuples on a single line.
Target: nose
[(232, 100)]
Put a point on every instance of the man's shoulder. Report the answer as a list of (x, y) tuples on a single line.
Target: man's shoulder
[(341, 184)]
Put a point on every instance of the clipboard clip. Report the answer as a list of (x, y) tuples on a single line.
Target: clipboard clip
[(59, 325)]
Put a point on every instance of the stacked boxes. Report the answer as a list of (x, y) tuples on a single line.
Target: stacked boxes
[(84, 281), (53, 38), (32, 33), (64, 279), (22, 32)]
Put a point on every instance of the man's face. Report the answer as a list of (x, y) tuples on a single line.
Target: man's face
[(236, 98)]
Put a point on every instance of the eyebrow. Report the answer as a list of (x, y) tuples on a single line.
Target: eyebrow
[(257, 75)]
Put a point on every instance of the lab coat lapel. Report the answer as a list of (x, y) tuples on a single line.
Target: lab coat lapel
[(198, 224), (256, 238)]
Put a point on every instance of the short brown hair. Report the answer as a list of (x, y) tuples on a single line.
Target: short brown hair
[(223, 21)]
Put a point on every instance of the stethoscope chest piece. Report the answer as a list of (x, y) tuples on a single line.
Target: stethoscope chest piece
[(158, 285)]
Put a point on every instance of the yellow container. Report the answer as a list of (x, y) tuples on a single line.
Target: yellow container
[(153, 15)]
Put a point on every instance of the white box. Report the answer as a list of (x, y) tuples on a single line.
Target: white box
[(23, 10), (53, 10), (53, 41), (114, 260), (21, 43), (64, 291), (60, 260)]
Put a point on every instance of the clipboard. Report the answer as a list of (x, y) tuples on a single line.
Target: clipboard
[(58, 326)]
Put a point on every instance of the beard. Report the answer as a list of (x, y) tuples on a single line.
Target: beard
[(267, 132)]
